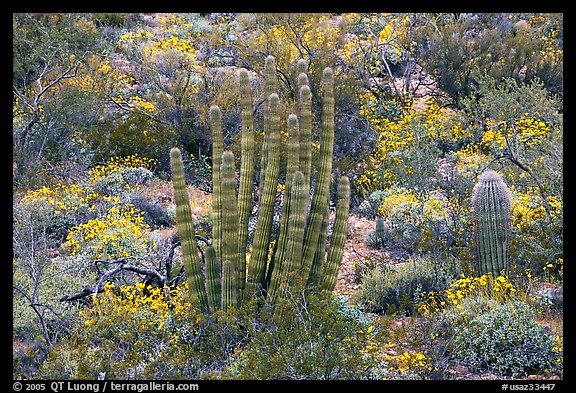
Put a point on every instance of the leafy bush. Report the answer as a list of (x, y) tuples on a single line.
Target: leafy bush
[(488, 325), (139, 332), (501, 338), (311, 337), (134, 332), (399, 289), (121, 233)]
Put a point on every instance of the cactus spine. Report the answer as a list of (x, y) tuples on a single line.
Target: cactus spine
[(493, 231), (300, 260)]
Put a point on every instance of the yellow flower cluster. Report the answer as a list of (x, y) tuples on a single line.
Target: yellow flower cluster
[(405, 204), (528, 209), (527, 130), (140, 103), (116, 164), (394, 36), (61, 198), (128, 39), (550, 50), (321, 34), (531, 131), (409, 361), (486, 286), (121, 233), (426, 122), (149, 307), (162, 45)]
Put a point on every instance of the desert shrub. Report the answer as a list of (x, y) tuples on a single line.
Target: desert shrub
[(503, 338), (199, 172), (137, 332), (57, 208), (398, 289), (39, 276), (121, 233), (311, 337), (112, 180), (155, 214), (488, 324), (416, 223), (369, 206), (538, 236)]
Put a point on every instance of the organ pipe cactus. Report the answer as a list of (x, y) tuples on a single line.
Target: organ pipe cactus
[(186, 233), (491, 202), (302, 259)]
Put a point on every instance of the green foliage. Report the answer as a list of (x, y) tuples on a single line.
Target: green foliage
[(399, 289), (103, 90), (313, 337), (163, 337), (501, 338), (504, 46)]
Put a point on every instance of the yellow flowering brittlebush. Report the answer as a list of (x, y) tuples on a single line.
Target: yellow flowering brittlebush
[(496, 288), (134, 312), (414, 124), (410, 361), (121, 233), (64, 198), (527, 130), (116, 164)]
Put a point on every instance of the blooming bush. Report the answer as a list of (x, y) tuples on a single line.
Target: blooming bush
[(120, 233), (488, 325), (503, 339), (399, 289)]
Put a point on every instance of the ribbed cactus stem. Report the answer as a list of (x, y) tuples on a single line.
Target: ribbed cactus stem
[(491, 203), (269, 88), (320, 200), (301, 80), (230, 222), (309, 250), (186, 233), (217, 150), (256, 275), (292, 263), (306, 132), (246, 174), (379, 231), (292, 165), (338, 239), (213, 279), (301, 67), (229, 293)]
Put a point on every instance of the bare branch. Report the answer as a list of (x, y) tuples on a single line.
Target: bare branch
[(121, 264)]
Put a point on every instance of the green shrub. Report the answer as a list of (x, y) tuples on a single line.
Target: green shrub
[(398, 289), (307, 338), (502, 339), (137, 332)]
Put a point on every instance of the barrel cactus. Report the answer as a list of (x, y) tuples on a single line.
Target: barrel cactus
[(302, 259), (491, 204)]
